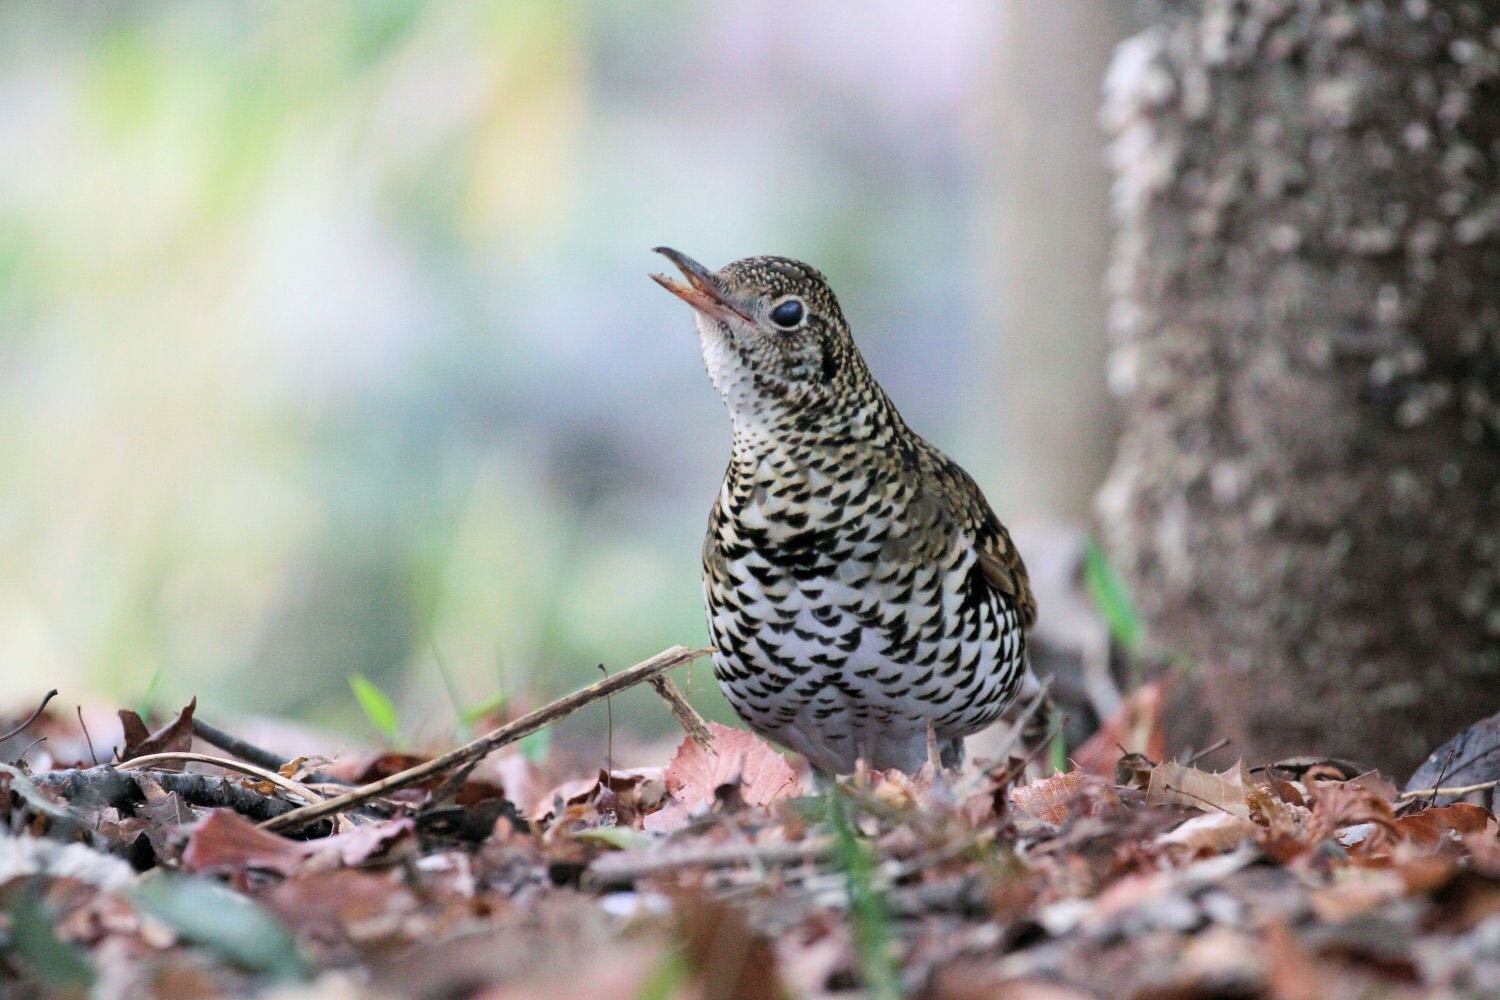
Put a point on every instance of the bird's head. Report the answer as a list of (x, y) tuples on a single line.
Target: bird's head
[(772, 334)]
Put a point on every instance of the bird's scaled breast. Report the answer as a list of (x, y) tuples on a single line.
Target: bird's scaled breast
[(841, 611)]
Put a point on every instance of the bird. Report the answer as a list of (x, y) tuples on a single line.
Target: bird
[(862, 597)]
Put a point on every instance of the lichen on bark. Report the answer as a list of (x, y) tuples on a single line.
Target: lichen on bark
[(1305, 311)]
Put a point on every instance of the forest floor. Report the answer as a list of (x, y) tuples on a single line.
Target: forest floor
[(725, 873)]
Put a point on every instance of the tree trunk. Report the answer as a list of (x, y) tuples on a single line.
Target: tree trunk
[(1306, 311)]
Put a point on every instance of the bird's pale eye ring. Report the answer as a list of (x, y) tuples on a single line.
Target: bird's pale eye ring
[(788, 313)]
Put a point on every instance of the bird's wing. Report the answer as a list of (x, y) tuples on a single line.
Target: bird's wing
[(999, 560), (1001, 564)]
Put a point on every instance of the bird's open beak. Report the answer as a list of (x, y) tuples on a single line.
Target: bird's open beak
[(702, 291)]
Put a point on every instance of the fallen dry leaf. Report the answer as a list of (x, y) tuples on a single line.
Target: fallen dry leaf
[(728, 959), (1292, 972), (620, 797), (739, 764), (1058, 798), (226, 842), (1176, 784), (1212, 833), (1136, 728), (175, 737), (1427, 826)]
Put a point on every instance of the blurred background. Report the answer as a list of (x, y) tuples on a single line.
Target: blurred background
[(327, 346)]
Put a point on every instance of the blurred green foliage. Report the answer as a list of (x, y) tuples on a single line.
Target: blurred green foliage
[(1112, 598), (874, 938), (377, 706), (208, 913), (31, 938), (326, 341)]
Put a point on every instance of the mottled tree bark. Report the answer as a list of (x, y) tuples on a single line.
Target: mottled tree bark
[(1306, 305)]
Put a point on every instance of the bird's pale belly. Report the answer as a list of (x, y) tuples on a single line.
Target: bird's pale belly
[(855, 662)]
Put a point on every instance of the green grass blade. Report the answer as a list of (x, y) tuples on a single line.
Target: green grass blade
[(874, 941), (377, 706), (1112, 598)]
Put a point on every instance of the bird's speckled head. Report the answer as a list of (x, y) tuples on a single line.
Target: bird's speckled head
[(773, 337)]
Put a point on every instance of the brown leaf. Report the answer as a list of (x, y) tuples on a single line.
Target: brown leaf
[(625, 969), (739, 761), (1061, 797), (366, 842), (1175, 784), (175, 737), (1212, 833), (1289, 966), (621, 797), (226, 842), (727, 958), (1134, 771), (1136, 728), (1338, 804), (1429, 825), (966, 979), (1296, 767)]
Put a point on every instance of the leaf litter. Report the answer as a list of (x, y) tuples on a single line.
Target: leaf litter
[(727, 872)]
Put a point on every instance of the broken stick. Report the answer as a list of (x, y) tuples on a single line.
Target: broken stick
[(686, 715), (491, 741)]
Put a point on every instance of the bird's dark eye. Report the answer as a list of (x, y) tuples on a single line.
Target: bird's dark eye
[(787, 314)]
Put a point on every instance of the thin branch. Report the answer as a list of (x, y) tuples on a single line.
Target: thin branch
[(1018, 727), (452, 785), (686, 715), (493, 740), (242, 749), (621, 869), (1443, 771), (229, 764), (1218, 744), (86, 737), (32, 717), (1483, 786), (609, 728), (1043, 744), (1198, 798), (107, 785), (245, 750)]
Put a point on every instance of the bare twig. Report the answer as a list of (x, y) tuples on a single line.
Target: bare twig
[(229, 764), (108, 785), (1483, 786), (1198, 798), (493, 740), (240, 748), (1443, 772), (452, 785), (1018, 727), (245, 750), (1042, 744), (686, 715), (609, 729), (86, 737), (32, 717), (1218, 744), (621, 869)]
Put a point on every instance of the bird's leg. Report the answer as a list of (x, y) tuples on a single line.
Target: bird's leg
[(932, 748), (953, 754)]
